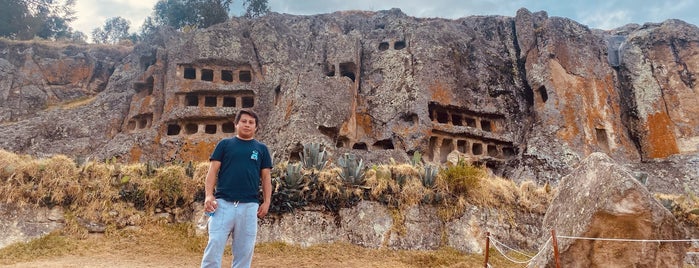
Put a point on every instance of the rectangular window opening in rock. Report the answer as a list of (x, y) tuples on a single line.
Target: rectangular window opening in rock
[(210, 129), (131, 125), (229, 101), (149, 83), (191, 128), (330, 132), (493, 150), (442, 117), (398, 45), (227, 75), (461, 146), (228, 127), (277, 94), (210, 101), (470, 122), (248, 102), (190, 73), (348, 69), (602, 140), (446, 147), (486, 126), (329, 69), (508, 151), (207, 75), (191, 99), (386, 144), (432, 147), (245, 76), (457, 120), (142, 123), (173, 129), (342, 142), (383, 46), (477, 148), (543, 95), (360, 146)]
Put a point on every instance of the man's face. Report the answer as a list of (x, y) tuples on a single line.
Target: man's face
[(246, 127)]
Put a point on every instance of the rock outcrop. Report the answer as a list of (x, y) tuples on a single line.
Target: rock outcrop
[(528, 96), (601, 199), (24, 225)]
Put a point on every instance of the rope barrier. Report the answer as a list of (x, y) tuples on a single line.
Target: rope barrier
[(627, 240), (496, 243), (512, 249)]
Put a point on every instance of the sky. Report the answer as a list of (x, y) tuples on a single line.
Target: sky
[(598, 14)]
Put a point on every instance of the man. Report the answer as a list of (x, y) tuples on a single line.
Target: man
[(237, 166)]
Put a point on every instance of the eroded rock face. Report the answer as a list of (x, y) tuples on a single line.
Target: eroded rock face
[(660, 64), (529, 96), (371, 224), (24, 225), (601, 199)]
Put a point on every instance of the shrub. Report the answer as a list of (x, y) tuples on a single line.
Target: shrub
[(463, 178)]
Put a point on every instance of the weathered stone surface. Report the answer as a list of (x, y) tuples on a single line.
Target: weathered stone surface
[(515, 228), (601, 199), (368, 224), (423, 230), (293, 228), (24, 225), (528, 95), (659, 75)]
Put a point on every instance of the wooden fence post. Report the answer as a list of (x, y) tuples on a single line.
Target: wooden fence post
[(555, 248)]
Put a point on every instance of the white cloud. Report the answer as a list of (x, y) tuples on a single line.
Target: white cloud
[(601, 14), (92, 14), (606, 20)]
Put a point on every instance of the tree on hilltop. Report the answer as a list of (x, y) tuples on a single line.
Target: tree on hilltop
[(114, 30), (26, 19), (185, 15), (256, 8)]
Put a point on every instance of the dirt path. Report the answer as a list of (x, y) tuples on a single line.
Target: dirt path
[(120, 260), (178, 247)]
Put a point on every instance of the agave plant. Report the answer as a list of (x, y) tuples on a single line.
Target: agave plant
[(352, 169), (314, 156), (417, 159), (429, 175), (287, 194), (294, 177)]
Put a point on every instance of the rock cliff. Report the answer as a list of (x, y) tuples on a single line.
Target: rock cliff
[(529, 96)]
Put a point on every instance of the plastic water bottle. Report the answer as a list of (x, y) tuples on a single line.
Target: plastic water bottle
[(204, 220)]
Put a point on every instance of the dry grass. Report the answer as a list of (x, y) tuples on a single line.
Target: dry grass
[(177, 246), (684, 207), (119, 195)]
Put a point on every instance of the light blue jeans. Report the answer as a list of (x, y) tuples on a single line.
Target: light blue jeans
[(239, 220)]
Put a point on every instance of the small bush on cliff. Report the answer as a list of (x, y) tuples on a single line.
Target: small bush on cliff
[(463, 178), (684, 207)]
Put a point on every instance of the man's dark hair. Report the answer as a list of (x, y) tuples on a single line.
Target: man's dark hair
[(250, 113)]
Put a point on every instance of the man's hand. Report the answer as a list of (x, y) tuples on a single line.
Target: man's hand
[(210, 203), (262, 211)]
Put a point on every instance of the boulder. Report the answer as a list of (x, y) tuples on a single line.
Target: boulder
[(601, 199)]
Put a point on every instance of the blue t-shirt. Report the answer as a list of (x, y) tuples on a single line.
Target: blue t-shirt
[(241, 163)]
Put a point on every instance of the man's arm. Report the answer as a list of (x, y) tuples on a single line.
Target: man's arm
[(209, 186), (266, 176)]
